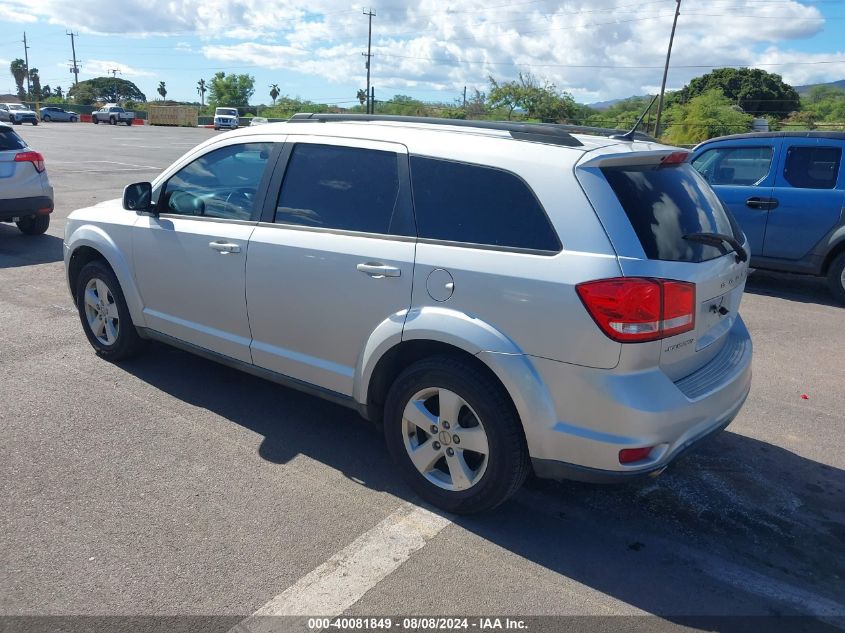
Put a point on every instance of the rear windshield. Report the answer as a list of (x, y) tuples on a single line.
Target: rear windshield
[(666, 203), (10, 140)]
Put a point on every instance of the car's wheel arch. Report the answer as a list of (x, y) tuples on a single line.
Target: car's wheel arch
[(431, 332), (90, 243)]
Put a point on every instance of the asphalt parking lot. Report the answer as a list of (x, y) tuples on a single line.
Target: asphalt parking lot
[(172, 486)]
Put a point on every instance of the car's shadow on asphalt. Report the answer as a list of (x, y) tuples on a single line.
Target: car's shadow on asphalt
[(17, 249), (734, 499), (802, 288)]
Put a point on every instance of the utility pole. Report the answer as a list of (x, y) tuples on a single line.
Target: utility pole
[(74, 69), (666, 69), (369, 12), (114, 71), (465, 97), (26, 63)]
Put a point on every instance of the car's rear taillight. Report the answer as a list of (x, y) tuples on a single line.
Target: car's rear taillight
[(35, 158), (638, 309)]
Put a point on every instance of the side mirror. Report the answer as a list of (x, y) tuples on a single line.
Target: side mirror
[(138, 197)]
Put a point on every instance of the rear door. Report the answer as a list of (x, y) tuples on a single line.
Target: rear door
[(809, 190), (648, 207), (742, 173), (333, 258)]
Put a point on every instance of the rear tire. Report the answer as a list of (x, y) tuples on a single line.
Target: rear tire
[(104, 314), (449, 474), (46, 118), (836, 278), (35, 225)]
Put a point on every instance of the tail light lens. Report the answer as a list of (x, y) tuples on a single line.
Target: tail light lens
[(35, 158), (637, 309)]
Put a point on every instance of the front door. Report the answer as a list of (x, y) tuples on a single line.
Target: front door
[(742, 175), (334, 259), (190, 262), (809, 191)]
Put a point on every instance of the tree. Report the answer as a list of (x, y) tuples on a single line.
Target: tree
[(274, 93), (361, 96), (107, 89), (705, 116), (35, 85), (231, 90), (824, 104), (57, 92), (201, 90), (539, 101), (756, 91), (18, 70), (162, 90)]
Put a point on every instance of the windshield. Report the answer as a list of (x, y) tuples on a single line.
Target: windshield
[(227, 112), (666, 203), (16, 106)]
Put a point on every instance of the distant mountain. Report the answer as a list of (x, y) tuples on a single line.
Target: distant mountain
[(802, 90), (604, 105)]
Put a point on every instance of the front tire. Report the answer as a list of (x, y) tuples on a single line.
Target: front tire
[(34, 123), (455, 435), (836, 278), (94, 120), (113, 121), (35, 225), (47, 118), (104, 313)]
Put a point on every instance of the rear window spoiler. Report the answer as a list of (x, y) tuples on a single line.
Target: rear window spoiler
[(633, 157)]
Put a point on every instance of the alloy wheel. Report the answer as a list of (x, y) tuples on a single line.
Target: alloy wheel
[(101, 312), (445, 439)]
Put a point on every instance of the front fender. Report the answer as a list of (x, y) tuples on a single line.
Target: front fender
[(94, 237)]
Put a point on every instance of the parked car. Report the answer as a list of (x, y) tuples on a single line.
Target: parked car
[(112, 114), (258, 120), (543, 299), (226, 117), (26, 195), (787, 190), (17, 113), (55, 113)]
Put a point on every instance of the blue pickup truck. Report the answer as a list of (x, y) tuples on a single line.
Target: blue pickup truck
[(787, 191)]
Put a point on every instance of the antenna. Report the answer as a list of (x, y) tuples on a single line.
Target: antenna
[(629, 135)]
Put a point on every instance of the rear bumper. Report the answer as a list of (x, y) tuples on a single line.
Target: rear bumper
[(21, 207), (598, 412)]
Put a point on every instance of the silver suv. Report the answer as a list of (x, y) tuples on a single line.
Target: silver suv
[(26, 195), (499, 297)]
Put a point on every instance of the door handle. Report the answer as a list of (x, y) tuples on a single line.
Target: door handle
[(763, 204), (378, 271), (225, 248)]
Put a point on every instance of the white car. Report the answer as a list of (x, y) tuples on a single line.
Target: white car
[(17, 113), (226, 118), (498, 297), (258, 120), (26, 195)]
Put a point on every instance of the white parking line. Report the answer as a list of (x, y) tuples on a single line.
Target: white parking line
[(344, 578), (104, 162)]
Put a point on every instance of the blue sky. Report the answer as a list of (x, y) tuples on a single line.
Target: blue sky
[(596, 50)]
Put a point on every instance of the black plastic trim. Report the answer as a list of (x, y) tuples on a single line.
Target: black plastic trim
[(18, 207)]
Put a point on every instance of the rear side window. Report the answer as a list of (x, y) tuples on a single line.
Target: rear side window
[(459, 202), (666, 203), (734, 165), (812, 167), (348, 188), (10, 140)]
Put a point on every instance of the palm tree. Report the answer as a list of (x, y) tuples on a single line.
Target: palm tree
[(162, 90), (362, 96), (201, 89), (274, 92), (18, 69)]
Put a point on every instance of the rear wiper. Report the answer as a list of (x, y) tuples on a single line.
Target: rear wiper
[(717, 239)]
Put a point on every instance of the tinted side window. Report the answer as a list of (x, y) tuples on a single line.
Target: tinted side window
[(220, 184), (459, 202), (812, 167), (734, 165), (347, 188)]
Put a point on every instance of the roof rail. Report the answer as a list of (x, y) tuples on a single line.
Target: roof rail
[(551, 133)]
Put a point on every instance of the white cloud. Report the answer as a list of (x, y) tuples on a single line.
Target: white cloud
[(9, 14), (595, 51), (101, 68)]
